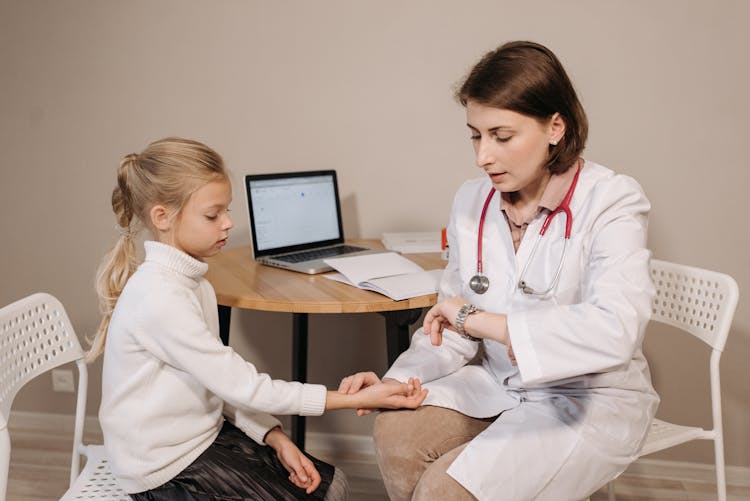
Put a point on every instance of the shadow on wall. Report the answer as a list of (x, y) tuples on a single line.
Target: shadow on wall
[(350, 216), (736, 395)]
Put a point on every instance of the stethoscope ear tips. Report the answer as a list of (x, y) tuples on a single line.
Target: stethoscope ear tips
[(525, 288)]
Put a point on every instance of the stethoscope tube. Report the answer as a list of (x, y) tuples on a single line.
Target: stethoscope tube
[(479, 283)]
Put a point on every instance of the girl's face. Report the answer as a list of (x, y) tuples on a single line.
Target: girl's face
[(202, 227), (513, 148)]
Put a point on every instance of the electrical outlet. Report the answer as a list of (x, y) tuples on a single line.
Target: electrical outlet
[(62, 380)]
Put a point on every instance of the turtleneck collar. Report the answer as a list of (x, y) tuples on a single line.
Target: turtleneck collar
[(174, 259)]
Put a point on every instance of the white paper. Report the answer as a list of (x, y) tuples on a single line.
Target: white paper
[(388, 273), (405, 286), (368, 266)]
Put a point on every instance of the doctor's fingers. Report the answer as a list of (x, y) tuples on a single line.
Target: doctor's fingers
[(355, 382), (430, 316), (436, 336), (433, 321), (434, 329)]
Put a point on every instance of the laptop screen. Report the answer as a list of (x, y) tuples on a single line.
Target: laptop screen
[(293, 211)]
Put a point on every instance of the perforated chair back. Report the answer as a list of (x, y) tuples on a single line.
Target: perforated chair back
[(697, 301), (35, 337), (702, 303)]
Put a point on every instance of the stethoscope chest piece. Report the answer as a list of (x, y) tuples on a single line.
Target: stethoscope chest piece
[(479, 283)]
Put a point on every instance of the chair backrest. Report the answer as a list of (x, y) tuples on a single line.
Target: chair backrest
[(699, 301), (36, 336)]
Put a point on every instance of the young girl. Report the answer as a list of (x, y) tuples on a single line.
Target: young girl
[(168, 381)]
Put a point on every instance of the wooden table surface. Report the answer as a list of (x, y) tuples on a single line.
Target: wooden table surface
[(240, 282)]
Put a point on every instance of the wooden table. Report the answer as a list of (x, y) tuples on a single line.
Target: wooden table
[(240, 282)]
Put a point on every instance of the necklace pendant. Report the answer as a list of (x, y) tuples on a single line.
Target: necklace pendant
[(479, 283)]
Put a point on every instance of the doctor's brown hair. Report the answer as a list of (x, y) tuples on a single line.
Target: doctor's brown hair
[(527, 78), (166, 173)]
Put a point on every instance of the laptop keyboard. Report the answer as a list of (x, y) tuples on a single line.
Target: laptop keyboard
[(309, 255)]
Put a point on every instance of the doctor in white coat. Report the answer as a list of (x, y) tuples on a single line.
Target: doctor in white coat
[(538, 389)]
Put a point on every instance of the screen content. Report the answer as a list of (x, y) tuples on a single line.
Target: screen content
[(293, 211)]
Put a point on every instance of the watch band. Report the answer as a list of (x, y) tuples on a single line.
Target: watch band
[(463, 313)]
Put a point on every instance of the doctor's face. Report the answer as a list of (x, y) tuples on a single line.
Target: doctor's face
[(512, 148)]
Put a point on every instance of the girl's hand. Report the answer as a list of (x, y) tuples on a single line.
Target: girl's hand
[(440, 316), (302, 471), (391, 394)]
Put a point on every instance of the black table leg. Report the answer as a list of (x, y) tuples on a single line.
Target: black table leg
[(299, 370), (397, 331), (397, 340), (225, 314)]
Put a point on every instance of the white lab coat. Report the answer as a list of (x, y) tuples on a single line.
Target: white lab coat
[(575, 410)]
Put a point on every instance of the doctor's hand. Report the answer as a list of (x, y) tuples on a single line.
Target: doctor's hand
[(413, 394), (440, 316), (355, 382), (480, 325)]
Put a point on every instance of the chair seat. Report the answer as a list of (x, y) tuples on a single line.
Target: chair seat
[(663, 435), (95, 481)]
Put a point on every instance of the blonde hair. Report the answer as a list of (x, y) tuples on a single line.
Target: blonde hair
[(166, 173)]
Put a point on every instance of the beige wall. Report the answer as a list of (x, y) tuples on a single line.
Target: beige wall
[(365, 88)]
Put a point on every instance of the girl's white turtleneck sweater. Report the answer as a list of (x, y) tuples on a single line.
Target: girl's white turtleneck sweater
[(168, 380)]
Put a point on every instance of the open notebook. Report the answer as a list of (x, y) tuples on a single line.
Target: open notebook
[(388, 273)]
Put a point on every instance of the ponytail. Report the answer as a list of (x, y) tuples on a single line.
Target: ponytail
[(120, 262)]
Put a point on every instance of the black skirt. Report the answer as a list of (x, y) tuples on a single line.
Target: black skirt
[(236, 468)]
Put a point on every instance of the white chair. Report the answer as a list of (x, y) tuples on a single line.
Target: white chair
[(35, 337), (702, 303)]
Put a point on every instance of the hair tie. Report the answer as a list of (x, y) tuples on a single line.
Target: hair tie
[(125, 232)]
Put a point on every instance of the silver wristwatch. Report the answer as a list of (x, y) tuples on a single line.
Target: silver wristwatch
[(463, 313)]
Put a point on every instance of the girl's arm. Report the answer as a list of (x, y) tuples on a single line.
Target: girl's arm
[(255, 425), (379, 395)]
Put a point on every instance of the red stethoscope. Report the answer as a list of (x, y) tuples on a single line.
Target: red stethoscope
[(479, 283)]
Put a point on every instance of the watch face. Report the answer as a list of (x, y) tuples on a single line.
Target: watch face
[(464, 312)]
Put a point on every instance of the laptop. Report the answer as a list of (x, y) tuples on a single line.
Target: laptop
[(295, 220)]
